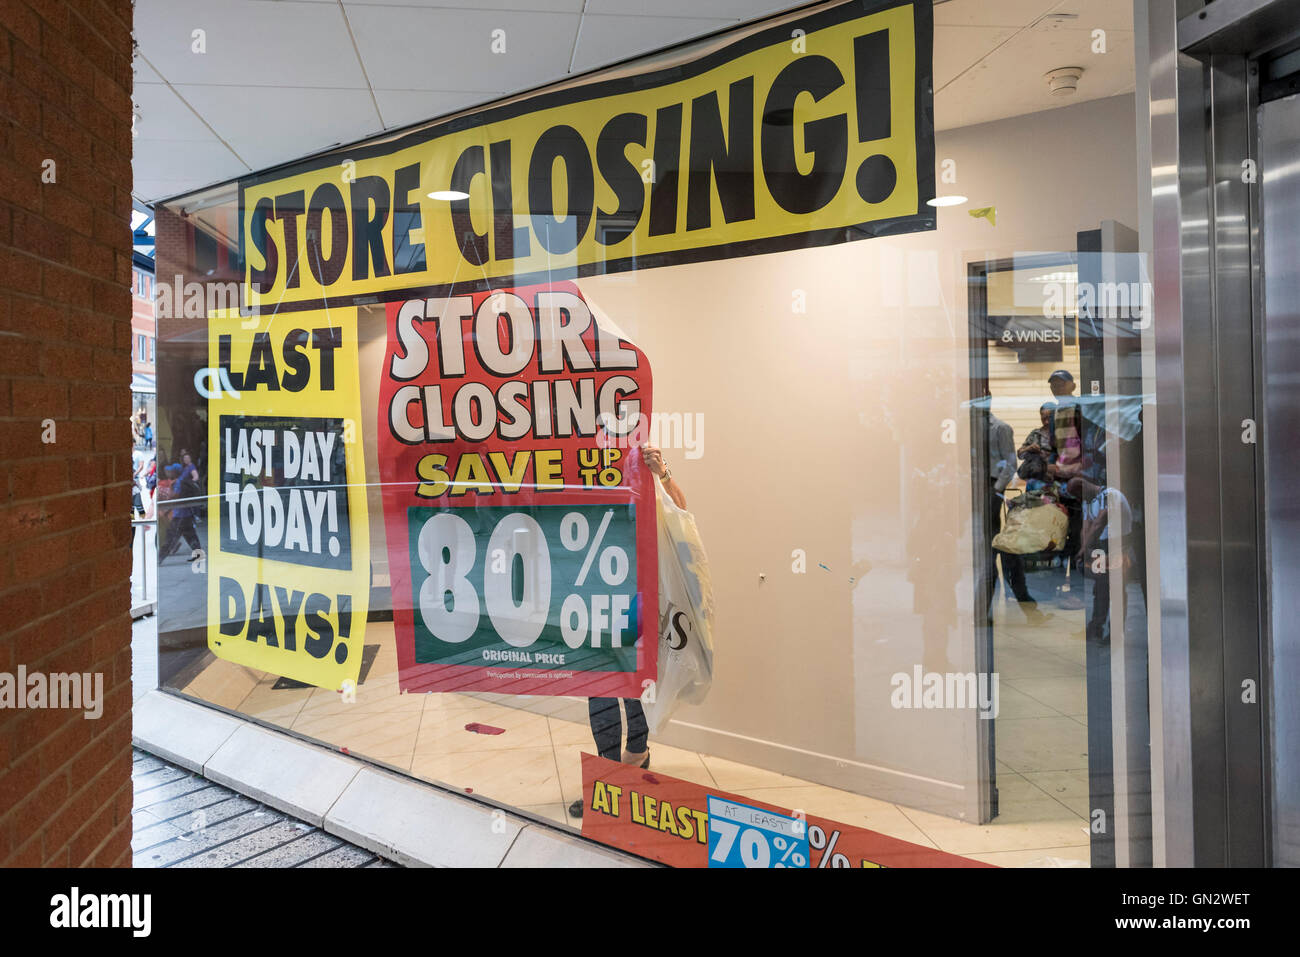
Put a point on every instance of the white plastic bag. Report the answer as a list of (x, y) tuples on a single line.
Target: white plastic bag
[(686, 615)]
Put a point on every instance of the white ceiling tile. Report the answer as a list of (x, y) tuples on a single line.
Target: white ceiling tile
[(1011, 82), (280, 78), (411, 48), (405, 107), (959, 48), (166, 167), (994, 13), (249, 43), (143, 72), (267, 125), (163, 116), (716, 9), (1107, 14), (606, 39), (533, 6)]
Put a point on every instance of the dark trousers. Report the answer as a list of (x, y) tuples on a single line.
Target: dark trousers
[(1074, 512), (607, 726), (1013, 566), (1098, 588), (180, 528)]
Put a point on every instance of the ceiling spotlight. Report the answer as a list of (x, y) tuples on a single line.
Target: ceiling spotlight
[(946, 201), (447, 195), (1064, 80)]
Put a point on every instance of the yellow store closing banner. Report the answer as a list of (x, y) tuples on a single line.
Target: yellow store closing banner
[(288, 556), (814, 132)]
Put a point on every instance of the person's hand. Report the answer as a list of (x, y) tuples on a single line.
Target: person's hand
[(653, 459)]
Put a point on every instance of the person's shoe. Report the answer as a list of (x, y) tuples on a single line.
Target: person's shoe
[(637, 760), (1070, 602), (1029, 608), (196, 554), (575, 809)]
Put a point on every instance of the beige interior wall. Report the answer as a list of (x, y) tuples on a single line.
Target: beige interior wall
[(824, 432)]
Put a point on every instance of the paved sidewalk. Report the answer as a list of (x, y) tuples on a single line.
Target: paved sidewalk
[(184, 820)]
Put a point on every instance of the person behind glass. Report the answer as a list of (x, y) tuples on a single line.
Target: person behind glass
[(185, 480), (1103, 509), (1002, 469), (1065, 463), (603, 713), (1039, 441)]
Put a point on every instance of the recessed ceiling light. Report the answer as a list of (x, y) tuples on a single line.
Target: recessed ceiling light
[(447, 195), (946, 201)]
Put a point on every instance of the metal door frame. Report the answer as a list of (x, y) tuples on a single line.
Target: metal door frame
[(1198, 82)]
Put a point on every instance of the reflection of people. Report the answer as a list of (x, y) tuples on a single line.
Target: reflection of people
[(1065, 463), (1038, 443), (1099, 507), (141, 490), (1002, 469), (186, 488), (603, 713)]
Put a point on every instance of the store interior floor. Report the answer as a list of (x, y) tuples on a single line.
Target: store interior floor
[(531, 761)]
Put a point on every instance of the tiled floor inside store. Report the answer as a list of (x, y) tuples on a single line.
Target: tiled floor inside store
[(534, 762)]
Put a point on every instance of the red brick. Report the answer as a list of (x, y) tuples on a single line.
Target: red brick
[(31, 72), (20, 439), (30, 815), (63, 206), (29, 854), (22, 778), (65, 252), (20, 270), (19, 19), (22, 603), (20, 357), (65, 285), (42, 398), (64, 745), (33, 317), (41, 237), (92, 836)]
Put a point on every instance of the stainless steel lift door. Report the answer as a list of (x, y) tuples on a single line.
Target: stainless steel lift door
[(1279, 148)]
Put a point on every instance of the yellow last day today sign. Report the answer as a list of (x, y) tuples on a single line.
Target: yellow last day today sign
[(289, 541), (817, 129)]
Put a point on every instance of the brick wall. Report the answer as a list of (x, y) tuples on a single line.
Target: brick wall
[(65, 372)]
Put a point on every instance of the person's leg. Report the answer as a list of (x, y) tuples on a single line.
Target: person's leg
[(1013, 568), (638, 731), (992, 525), (606, 727), (170, 540), (1098, 628), (191, 534), (1073, 599)]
